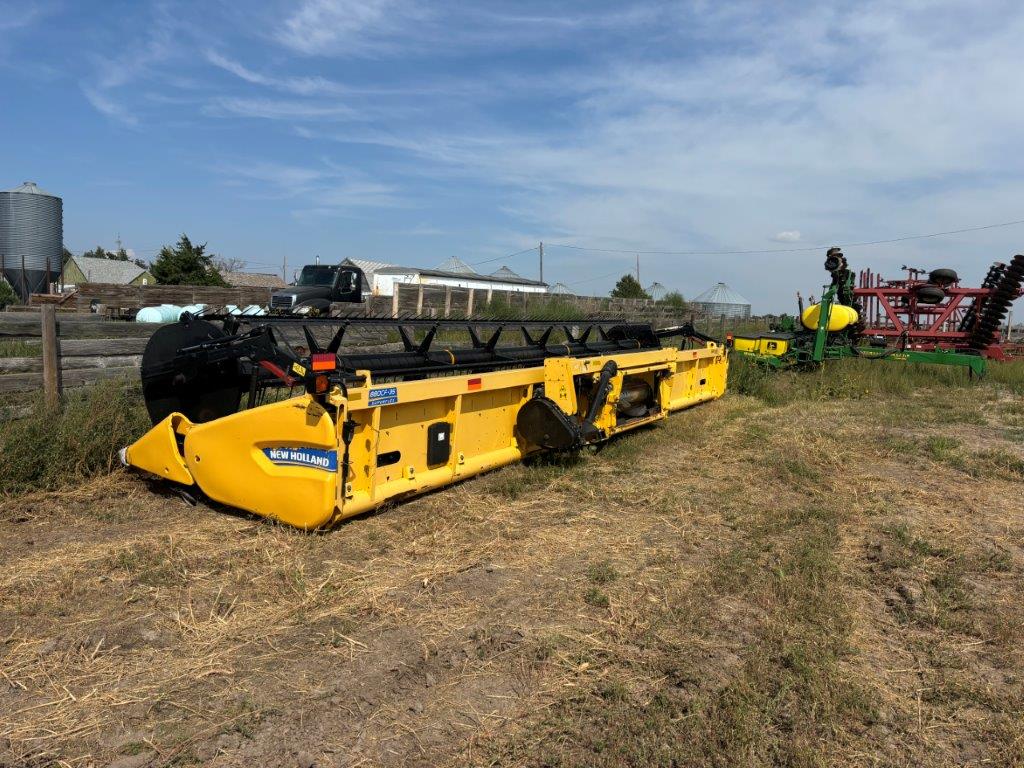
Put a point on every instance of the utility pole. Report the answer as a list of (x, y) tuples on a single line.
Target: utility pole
[(284, 269), (541, 251), (638, 267)]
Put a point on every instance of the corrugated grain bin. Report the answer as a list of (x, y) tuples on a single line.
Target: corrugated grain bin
[(31, 238)]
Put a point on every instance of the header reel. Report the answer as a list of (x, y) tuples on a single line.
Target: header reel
[(203, 371)]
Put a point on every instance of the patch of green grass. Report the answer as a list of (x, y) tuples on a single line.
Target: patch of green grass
[(523, 479), (602, 572), (535, 309), (917, 546), (941, 447), (792, 469), (595, 597), (150, 564), (845, 379), (953, 598), (1009, 375), (14, 348), (780, 705), (48, 450), (996, 462)]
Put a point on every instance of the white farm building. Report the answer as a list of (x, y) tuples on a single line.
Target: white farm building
[(382, 277)]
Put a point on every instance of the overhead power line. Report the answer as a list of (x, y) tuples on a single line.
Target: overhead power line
[(500, 258), (632, 251)]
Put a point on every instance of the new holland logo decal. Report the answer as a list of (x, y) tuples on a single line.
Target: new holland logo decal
[(315, 458)]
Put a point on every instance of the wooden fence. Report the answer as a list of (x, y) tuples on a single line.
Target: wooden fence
[(138, 296), (76, 350)]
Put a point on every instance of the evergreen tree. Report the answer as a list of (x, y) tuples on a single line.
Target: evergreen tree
[(99, 252), (629, 288), (186, 264), (7, 294), (675, 300)]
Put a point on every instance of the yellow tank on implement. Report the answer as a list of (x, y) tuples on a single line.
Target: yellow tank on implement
[(763, 344), (359, 437), (840, 316)]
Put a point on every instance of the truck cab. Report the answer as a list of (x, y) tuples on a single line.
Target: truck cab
[(317, 287)]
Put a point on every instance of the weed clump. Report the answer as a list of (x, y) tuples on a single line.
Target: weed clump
[(48, 450), (602, 572)]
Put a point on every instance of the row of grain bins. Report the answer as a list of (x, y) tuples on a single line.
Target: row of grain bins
[(31, 238)]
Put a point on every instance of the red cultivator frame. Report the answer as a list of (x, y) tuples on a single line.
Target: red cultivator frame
[(931, 310)]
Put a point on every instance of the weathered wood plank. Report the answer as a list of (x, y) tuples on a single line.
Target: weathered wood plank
[(23, 382), (108, 330), (51, 357), (20, 326), (35, 364), (134, 296), (99, 347)]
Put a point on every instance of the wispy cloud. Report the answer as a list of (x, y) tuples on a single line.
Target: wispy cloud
[(876, 134), (787, 236), (112, 71), (300, 86), (328, 187), (342, 26), (107, 106), (278, 109), (22, 14), (352, 28)]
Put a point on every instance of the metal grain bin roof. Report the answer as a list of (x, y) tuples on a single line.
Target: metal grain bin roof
[(30, 188), (505, 274), (457, 265), (720, 293)]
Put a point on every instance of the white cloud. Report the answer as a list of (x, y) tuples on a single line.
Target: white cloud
[(347, 28), (871, 135), (702, 126), (338, 26)]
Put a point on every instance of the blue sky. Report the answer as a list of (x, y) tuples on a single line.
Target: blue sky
[(411, 131)]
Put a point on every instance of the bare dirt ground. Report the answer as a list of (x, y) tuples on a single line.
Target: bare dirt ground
[(832, 582)]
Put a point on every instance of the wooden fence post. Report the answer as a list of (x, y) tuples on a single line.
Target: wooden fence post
[(469, 306), (51, 359), (419, 301), (394, 299), (447, 300)]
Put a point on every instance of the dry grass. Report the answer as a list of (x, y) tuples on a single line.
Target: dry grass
[(805, 581)]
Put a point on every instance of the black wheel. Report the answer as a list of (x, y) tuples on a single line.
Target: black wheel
[(943, 277), (930, 294)]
